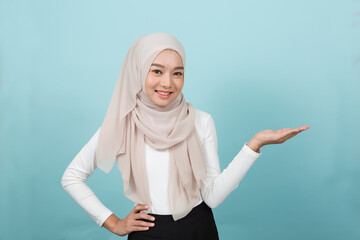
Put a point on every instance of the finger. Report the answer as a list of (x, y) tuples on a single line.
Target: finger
[(305, 127), (293, 133), (298, 129), (287, 136), (290, 136), (139, 223), (288, 133), (144, 216), (302, 128), (139, 207), (283, 130), (139, 229)]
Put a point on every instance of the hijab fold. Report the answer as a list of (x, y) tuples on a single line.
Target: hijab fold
[(132, 120)]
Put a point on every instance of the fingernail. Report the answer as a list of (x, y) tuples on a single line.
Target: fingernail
[(153, 218)]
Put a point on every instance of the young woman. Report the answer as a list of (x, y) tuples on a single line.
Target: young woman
[(166, 151)]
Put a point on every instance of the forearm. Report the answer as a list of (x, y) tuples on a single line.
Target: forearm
[(218, 185), (74, 182), (86, 199)]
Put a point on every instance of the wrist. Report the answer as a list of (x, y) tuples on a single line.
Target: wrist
[(112, 223), (254, 145), (119, 228)]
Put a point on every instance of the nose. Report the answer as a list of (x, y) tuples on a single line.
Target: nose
[(166, 81)]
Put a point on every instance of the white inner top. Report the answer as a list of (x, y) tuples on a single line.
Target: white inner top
[(214, 188)]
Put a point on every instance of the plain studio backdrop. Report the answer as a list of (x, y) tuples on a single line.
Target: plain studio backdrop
[(253, 65)]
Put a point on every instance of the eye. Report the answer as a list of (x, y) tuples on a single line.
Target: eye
[(156, 71), (178, 73)]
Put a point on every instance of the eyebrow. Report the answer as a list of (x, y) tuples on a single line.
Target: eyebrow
[(159, 65)]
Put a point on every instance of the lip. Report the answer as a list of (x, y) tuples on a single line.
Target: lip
[(163, 96), (162, 91)]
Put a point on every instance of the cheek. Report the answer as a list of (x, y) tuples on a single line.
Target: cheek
[(180, 84), (150, 84)]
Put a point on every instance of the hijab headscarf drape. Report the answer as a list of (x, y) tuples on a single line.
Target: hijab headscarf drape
[(132, 118)]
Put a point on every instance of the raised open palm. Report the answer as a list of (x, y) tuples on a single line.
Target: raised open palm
[(269, 136)]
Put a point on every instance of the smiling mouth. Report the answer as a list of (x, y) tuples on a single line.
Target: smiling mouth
[(164, 93)]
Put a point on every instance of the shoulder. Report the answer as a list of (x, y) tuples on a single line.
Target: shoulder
[(202, 120), (201, 116)]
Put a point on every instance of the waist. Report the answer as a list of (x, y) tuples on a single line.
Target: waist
[(168, 218)]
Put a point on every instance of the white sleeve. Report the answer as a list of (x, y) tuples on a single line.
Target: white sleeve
[(217, 185), (73, 181)]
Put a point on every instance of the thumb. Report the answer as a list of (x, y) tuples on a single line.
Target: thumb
[(140, 207)]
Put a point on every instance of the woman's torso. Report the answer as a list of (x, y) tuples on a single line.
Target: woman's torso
[(157, 165)]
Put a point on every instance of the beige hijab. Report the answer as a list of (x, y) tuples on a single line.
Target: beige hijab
[(132, 118)]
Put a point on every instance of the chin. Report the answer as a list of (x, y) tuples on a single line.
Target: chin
[(163, 104)]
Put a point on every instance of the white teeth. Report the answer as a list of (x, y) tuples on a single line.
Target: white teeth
[(162, 93)]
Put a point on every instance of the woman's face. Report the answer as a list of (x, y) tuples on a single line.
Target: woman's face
[(165, 78)]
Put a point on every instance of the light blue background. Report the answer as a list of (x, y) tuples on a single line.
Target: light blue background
[(252, 65)]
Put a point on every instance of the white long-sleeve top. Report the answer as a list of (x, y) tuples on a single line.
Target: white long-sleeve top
[(214, 188)]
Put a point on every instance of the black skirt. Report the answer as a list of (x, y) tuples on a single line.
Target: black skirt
[(198, 224)]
